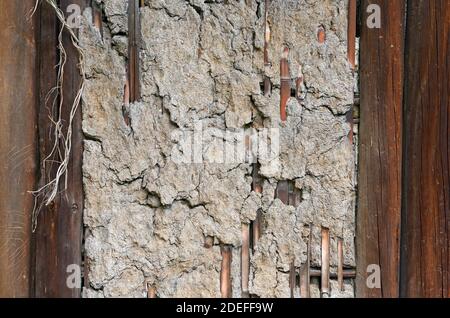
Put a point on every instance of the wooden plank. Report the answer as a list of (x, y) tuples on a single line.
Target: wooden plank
[(379, 200), (426, 193), (18, 96), (70, 227), (59, 234), (45, 260)]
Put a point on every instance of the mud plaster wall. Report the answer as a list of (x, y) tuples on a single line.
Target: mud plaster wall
[(147, 213)]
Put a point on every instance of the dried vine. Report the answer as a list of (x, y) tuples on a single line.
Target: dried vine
[(62, 146)]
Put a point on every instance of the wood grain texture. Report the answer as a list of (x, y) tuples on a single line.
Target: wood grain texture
[(18, 96), (379, 201), (426, 181), (58, 239)]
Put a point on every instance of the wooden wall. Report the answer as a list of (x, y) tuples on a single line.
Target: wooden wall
[(59, 234), (35, 264), (404, 193), (18, 153), (426, 160), (403, 217)]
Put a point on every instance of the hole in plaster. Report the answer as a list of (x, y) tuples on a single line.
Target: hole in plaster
[(288, 193), (262, 87), (293, 92)]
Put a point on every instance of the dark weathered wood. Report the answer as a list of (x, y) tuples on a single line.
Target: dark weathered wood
[(379, 201), (18, 95), (133, 49), (59, 233), (44, 240), (426, 192), (70, 228)]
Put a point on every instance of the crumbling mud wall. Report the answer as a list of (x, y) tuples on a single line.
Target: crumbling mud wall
[(174, 181)]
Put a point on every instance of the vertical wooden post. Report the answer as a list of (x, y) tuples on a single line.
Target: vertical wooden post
[(44, 241), (426, 180), (18, 95), (70, 230), (59, 233), (379, 198)]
